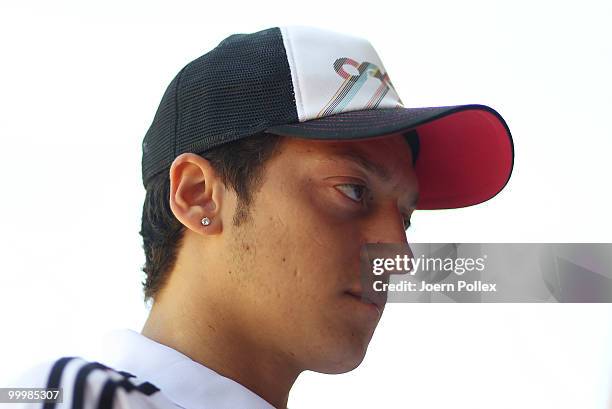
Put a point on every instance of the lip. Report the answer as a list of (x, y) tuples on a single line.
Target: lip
[(358, 295)]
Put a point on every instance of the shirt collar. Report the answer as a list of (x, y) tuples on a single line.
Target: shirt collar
[(184, 381)]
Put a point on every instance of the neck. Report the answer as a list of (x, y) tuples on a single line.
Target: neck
[(213, 338)]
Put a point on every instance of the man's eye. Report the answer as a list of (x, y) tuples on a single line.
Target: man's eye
[(356, 193), (353, 191)]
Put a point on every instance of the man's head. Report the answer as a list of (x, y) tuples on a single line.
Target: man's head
[(281, 264), (277, 268)]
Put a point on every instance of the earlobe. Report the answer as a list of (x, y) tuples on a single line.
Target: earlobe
[(193, 193)]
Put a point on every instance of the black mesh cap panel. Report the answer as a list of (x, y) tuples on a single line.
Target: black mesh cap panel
[(158, 143), (240, 88)]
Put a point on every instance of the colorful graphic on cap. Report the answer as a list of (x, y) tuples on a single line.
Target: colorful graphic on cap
[(353, 83)]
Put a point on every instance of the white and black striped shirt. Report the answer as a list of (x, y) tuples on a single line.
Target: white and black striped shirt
[(134, 372)]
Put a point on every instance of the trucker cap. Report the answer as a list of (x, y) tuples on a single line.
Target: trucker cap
[(311, 83)]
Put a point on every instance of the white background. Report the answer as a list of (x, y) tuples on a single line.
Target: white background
[(80, 82)]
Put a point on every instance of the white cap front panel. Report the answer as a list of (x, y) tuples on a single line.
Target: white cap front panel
[(333, 73)]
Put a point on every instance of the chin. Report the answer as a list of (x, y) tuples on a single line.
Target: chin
[(344, 355), (346, 364)]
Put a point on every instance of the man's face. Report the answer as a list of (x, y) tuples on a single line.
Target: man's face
[(295, 264)]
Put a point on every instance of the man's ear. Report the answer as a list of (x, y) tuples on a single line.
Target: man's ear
[(196, 192)]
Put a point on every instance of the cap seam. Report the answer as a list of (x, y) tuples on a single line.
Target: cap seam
[(293, 68), (176, 110)]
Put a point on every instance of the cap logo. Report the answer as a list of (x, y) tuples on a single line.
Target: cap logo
[(353, 83)]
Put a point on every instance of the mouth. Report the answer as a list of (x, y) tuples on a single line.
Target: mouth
[(367, 301)]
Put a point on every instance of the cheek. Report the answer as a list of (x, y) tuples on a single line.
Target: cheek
[(301, 243), (305, 218), (331, 228), (318, 246)]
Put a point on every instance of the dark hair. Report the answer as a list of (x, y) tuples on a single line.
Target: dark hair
[(239, 164), (413, 140)]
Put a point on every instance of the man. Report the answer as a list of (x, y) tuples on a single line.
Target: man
[(271, 161)]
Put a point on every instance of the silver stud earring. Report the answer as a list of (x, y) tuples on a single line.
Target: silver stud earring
[(206, 221)]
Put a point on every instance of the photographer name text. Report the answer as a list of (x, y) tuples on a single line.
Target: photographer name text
[(424, 286)]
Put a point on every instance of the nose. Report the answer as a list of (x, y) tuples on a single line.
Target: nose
[(386, 227)]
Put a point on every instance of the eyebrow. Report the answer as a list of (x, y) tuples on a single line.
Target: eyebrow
[(375, 168)]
